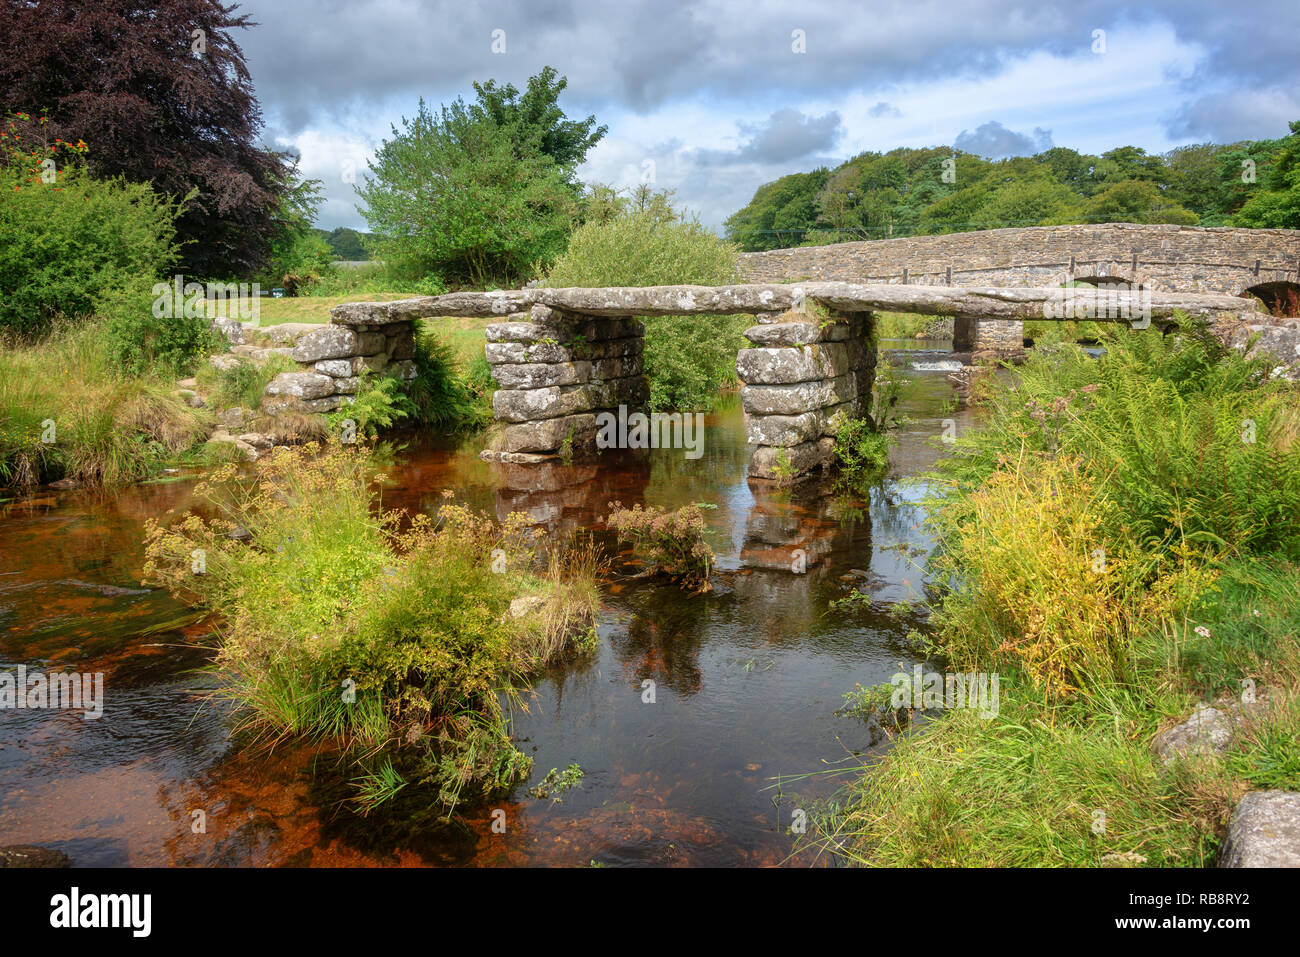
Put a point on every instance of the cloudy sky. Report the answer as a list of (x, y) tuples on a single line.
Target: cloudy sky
[(716, 97)]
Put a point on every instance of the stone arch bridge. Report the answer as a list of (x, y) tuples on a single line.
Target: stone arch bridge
[(562, 357)]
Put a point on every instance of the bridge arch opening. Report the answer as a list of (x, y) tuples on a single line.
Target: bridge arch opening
[(1281, 298), (1100, 281)]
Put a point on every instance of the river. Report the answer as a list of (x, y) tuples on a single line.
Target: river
[(748, 678)]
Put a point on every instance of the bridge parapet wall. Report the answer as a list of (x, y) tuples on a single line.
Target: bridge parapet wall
[(1166, 258)]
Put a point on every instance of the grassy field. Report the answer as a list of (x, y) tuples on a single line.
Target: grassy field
[(272, 312), (464, 335)]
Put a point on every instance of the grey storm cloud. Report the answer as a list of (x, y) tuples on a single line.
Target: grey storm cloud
[(789, 134), (995, 141), (335, 59)]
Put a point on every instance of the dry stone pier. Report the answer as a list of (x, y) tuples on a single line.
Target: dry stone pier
[(564, 356)]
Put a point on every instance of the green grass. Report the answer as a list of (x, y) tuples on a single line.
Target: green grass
[(107, 428), (243, 384), (1114, 548), (273, 312)]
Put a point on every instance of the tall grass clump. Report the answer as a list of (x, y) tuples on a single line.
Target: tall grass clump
[(645, 242), (405, 643), (670, 542), (68, 411), (1118, 541)]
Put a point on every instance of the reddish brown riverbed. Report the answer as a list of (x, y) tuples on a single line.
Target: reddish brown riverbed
[(748, 678)]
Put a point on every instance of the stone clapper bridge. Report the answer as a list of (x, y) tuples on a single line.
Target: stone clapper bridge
[(563, 356)]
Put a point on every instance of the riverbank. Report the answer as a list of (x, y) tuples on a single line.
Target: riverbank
[(1117, 543), (71, 416)]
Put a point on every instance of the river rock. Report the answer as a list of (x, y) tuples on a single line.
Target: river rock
[(1264, 831), (525, 605), (231, 329), (1207, 732), (222, 437), (327, 342), (30, 855), (301, 385), (257, 440)]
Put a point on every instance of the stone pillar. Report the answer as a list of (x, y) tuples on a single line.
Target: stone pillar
[(981, 335), (332, 359), (557, 371), (804, 377)]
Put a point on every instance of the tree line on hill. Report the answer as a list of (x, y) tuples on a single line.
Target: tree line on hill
[(910, 192)]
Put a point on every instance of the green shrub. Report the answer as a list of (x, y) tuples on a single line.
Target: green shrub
[(67, 411), (862, 444), (1195, 441), (863, 453), (142, 342), (687, 358), (671, 543), (381, 402), (243, 383), (1114, 541), (68, 247), (441, 396), (403, 647)]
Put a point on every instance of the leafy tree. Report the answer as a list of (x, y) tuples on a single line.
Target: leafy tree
[(70, 243), (298, 252), (935, 190), (1278, 204), (1195, 177), (779, 213), (1136, 201), (1070, 168), (563, 140), (648, 244), (162, 92), (347, 244), (471, 193), (1130, 163), (1026, 202)]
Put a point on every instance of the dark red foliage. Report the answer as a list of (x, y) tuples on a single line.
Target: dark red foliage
[(123, 76)]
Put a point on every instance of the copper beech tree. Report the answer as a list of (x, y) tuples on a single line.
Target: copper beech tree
[(162, 92)]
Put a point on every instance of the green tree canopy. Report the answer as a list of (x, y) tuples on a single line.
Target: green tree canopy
[(470, 193), (537, 109), (1278, 204), (909, 191), (1136, 201)]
